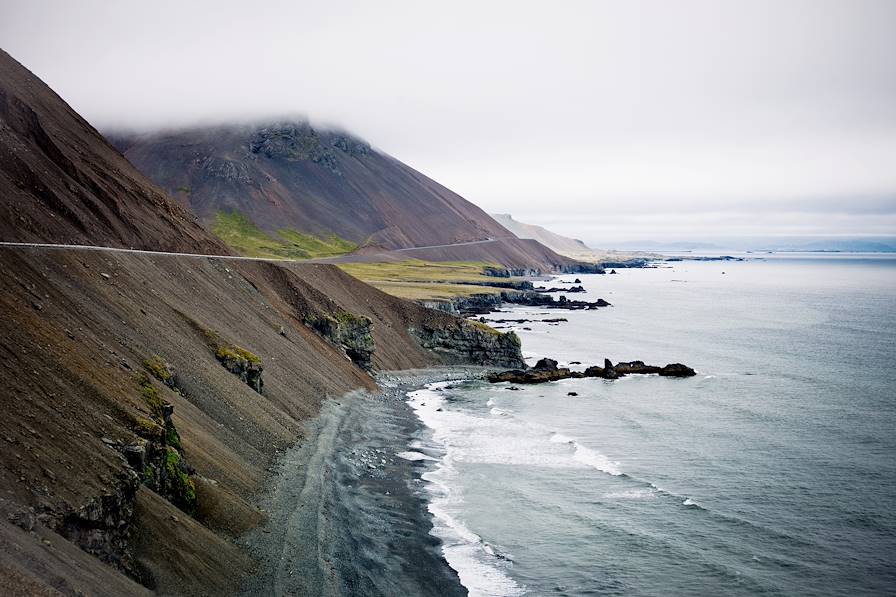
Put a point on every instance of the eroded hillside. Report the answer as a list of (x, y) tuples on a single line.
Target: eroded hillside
[(135, 428)]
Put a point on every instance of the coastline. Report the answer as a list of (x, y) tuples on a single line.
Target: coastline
[(346, 514)]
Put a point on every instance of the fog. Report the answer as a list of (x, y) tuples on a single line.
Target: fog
[(607, 121)]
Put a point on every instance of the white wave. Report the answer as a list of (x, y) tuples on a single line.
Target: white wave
[(490, 402), (630, 494), (597, 460), (690, 502), (559, 438), (500, 412), (588, 456), (480, 569), (709, 377), (414, 456)]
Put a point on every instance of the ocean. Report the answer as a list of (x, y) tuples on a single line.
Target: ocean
[(772, 472)]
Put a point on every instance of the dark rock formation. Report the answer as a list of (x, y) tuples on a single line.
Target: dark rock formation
[(472, 342), (348, 331), (544, 370), (584, 268), (677, 370), (295, 142), (612, 271), (557, 289), (101, 526), (547, 370), (534, 299), (242, 363), (548, 320), (636, 367)]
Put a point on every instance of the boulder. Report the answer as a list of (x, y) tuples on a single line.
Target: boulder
[(635, 367), (546, 363), (677, 370)]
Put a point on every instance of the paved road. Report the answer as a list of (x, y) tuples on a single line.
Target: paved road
[(136, 251), (233, 257), (471, 242)]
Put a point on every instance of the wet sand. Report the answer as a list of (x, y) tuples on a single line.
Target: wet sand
[(346, 515)]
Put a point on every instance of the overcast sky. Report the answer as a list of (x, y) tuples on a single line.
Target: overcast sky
[(607, 121)]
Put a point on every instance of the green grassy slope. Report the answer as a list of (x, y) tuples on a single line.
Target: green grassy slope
[(243, 236)]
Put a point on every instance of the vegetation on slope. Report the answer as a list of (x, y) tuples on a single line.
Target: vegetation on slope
[(243, 236), (421, 280)]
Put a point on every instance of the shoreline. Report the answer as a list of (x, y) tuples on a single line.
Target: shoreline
[(346, 514)]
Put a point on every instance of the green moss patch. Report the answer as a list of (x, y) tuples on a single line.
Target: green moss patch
[(150, 394), (242, 235), (159, 369), (231, 352), (483, 328), (182, 489)]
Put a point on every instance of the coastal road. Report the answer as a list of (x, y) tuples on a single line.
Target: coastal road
[(22, 245), (136, 251), (470, 242)]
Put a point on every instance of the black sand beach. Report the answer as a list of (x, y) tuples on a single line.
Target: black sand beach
[(346, 515)]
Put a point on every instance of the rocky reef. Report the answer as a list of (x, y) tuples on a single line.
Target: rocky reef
[(535, 299), (559, 289), (547, 370), (482, 304), (471, 342), (350, 332)]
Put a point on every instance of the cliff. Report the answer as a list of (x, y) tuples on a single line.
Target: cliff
[(147, 395)]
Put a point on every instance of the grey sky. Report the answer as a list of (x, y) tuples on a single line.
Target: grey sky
[(603, 120)]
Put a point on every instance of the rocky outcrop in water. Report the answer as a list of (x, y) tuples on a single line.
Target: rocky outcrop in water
[(472, 342), (547, 370), (534, 299), (350, 332), (482, 304), (559, 289)]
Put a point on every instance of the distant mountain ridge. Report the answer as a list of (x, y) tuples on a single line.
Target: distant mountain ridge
[(561, 244)]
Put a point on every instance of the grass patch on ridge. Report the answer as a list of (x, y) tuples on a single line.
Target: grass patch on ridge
[(242, 235)]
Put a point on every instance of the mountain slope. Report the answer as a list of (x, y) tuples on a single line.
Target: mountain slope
[(319, 182), (561, 244), (573, 249), (62, 182), (146, 395)]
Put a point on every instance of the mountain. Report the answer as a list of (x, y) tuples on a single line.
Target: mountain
[(572, 248), (62, 182), (298, 188), (561, 244), (148, 396), (290, 175)]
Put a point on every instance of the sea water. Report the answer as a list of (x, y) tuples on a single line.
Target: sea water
[(772, 472)]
